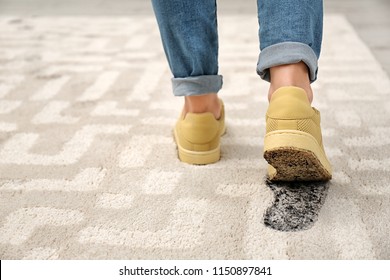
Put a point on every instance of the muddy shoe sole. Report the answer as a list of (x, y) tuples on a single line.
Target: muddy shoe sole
[(295, 156)]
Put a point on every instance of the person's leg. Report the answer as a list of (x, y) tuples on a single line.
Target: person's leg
[(295, 74), (290, 43), (189, 35), (290, 38)]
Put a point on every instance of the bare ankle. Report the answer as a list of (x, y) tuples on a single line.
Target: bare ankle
[(202, 104), (290, 75)]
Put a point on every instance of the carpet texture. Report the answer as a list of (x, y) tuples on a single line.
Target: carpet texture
[(88, 166)]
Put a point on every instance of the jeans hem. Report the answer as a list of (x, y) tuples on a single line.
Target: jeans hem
[(287, 53), (198, 85)]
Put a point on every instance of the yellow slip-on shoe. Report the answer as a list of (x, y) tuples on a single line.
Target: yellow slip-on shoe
[(198, 135), (293, 141)]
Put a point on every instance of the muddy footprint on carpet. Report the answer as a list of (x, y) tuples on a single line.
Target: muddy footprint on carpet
[(296, 205)]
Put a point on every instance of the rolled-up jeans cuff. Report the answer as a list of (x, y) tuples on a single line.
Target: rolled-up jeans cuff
[(196, 85), (287, 53)]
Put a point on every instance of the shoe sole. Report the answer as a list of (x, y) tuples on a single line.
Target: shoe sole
[(198, 158), (295, 156)]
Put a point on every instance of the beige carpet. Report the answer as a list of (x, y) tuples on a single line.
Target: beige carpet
[(88, 167)]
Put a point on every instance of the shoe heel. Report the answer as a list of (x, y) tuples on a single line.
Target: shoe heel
[(200, 158), (291, 138)]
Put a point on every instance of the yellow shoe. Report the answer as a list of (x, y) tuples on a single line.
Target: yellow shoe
[(293, 141), (198, 137)]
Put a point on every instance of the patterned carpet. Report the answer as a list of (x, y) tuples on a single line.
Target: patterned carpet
[(88, 167)]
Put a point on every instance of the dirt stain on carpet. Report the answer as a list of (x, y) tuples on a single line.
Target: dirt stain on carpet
[(296, 205)]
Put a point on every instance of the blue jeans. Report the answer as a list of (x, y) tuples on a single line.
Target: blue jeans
[(290, 31)]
